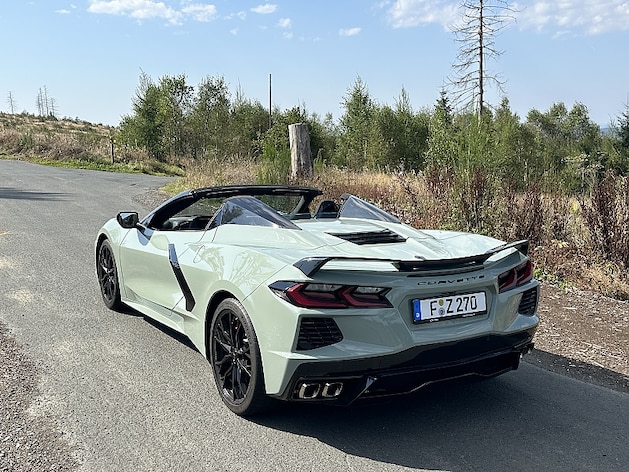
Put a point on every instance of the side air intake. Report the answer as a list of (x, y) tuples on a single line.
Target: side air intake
[(318, 332), (528, 304)]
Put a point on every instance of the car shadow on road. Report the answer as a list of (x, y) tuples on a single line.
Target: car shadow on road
[(526, 420), (19, 194), (530, 419), (176, 335), (579, 370)]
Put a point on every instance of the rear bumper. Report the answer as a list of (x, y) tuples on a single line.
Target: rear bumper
[(342, 382)]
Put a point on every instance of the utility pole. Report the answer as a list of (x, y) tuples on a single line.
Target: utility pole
[(270, 105)]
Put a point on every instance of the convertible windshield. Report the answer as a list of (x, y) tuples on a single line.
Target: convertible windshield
[(354, 207), (252, 212)]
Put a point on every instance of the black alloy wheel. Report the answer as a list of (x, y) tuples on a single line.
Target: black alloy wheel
[(235, 358), (108, 276)]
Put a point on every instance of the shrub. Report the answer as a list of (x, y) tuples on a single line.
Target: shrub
[(606, 215)]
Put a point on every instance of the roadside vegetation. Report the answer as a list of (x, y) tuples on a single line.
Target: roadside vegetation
[(555, 178)]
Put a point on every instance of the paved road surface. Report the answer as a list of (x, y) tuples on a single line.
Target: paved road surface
[(132, 397)]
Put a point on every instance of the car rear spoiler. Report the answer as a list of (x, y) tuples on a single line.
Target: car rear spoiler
[(311, 265)]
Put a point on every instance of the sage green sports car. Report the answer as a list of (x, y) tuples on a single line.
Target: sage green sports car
[(331, 303)]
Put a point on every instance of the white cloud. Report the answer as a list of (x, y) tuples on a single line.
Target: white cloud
[(265, 9), (241, 15), (63, 12), (151, 9), (349, 31), (284, 23), (138, 9), (200, 12), (410, 13), (588, 17), (561, 16)]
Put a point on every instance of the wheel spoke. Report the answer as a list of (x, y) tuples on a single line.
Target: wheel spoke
[(244, 368), (223, 343)]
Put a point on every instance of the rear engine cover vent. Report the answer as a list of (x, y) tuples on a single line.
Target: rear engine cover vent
[(371, 237), (317, 332)]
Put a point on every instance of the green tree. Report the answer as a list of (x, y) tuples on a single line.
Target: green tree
[(145, 128), (442, 145), (515, 148), (570, 144), (621, 164), (210, 118), (176, 99), (616, 144), (405, 134), (359, 143), (324, 137), (277, 136), (249, 121), (623, 125), (549, 131)]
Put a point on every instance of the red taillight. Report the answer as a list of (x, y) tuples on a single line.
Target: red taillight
[(313, 295), (524, 272), (308, 296), (515, 277)]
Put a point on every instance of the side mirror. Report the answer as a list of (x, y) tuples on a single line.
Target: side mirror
[(128, 219)]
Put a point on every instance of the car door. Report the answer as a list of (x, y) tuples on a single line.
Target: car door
[(149, 275)]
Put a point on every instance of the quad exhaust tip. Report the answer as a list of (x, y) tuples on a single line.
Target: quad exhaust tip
[(314, 390)]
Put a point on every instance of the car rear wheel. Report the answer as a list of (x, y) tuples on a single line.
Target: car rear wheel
[(235, 358), (108, 276)]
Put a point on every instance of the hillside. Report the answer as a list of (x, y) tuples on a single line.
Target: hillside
[(73, 143)]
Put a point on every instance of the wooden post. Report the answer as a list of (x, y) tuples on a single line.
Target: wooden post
[(113, 154), (300, 153)]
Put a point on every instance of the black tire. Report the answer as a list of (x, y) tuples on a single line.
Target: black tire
[(235, 358), (108, 276)]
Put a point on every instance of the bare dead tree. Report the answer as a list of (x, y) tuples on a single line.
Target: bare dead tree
[(481, 22), (46, 106), (40, 103), (53, 107), (11, 102), (46, 102)]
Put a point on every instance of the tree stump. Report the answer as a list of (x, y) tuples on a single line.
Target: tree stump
[(300, 153)]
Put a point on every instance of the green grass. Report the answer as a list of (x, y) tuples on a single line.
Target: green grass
[(152, 168)]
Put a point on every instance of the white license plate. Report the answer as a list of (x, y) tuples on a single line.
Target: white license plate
[(454, 306)]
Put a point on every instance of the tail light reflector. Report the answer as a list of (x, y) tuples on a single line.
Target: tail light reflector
[(515, 277), (316, 295)]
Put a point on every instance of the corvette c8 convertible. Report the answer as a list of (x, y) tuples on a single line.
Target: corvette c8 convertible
[(331, 303)]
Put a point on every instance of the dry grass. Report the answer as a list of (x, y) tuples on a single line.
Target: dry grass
[(74, 144), (563, 248), (583, 243)]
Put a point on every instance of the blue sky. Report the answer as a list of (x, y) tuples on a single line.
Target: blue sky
[(89, 54)]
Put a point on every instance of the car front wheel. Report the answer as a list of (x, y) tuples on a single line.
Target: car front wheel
[(108, 276), (235, 358)]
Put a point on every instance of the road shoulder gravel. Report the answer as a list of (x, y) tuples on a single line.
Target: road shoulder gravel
[(27, 443)]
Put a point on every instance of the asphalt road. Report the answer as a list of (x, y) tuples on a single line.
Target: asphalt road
[(132, 397)]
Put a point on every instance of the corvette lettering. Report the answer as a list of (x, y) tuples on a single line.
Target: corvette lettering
[(452, 281)]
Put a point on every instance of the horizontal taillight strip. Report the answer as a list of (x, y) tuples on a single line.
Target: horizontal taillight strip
[(317, 295)]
